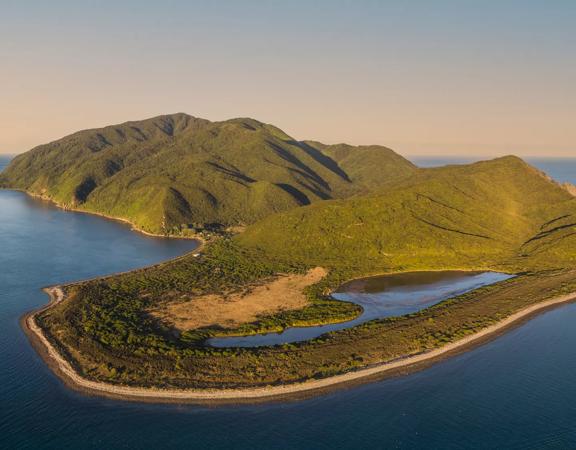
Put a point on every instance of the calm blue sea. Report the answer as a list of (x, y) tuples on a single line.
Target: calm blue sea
[(518, 391), (4, 160)]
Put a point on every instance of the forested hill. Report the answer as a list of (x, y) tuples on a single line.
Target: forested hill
[(171, 172), (502, 211)]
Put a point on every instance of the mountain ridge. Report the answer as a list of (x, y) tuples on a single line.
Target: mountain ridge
[(172, 172)]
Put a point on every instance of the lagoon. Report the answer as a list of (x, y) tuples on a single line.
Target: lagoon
[(383, 296)]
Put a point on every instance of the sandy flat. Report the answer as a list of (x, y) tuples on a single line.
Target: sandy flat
[(228, 311)]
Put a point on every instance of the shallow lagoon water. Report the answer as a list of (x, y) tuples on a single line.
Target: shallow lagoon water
[(515, 392), (379, 297)]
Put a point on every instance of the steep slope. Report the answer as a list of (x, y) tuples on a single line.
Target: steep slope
[(494, 212), (359, 163), (173, 172)]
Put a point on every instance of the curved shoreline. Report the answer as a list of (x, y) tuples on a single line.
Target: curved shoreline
[(280, 338), (133, 226), (68, 374)]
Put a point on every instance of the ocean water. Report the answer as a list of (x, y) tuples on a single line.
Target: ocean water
[(4, 160), (517, 391)]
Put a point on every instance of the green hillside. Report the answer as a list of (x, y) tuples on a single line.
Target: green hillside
[(173, 172), (495, 212)]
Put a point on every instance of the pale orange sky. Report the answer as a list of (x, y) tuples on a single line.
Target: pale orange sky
[(446, 77)]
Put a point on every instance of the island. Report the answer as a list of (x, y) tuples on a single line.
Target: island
[(301, 220)]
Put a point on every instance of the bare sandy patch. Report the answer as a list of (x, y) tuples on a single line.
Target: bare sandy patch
[(228, 311)]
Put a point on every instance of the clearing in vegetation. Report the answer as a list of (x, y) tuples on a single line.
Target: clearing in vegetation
[(284, 293)]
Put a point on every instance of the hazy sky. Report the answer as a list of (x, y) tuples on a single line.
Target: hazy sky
[(423, 77)]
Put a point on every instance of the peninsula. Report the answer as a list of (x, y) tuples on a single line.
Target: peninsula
[(288, 227)]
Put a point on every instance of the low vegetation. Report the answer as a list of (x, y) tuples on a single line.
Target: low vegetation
[(138, 353)]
